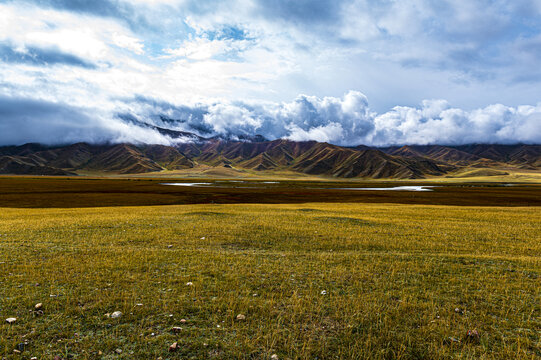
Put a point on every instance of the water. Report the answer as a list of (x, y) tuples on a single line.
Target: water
[(396, 188)]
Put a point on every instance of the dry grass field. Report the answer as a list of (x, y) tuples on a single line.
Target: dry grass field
[(313, 281)]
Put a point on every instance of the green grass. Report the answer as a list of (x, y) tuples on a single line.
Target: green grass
[(393, 276)]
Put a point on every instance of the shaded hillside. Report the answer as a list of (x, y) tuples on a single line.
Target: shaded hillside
[(308, 157), (476, 155)]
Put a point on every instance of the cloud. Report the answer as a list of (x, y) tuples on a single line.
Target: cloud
[(43, 57), (437, 123), (345, 121), (30, 120), (236, 68), (349, 121)]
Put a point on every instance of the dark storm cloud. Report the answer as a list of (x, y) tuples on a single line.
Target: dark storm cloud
[(27, 120), (42, 57)]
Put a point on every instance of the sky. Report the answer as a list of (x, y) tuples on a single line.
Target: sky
[(348, 72)]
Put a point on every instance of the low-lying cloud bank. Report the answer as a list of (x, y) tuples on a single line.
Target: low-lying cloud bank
[(344, 121)]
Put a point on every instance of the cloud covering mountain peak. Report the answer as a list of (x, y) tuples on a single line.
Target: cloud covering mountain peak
[(344, 121)]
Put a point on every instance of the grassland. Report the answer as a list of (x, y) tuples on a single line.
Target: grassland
[(315, 281)]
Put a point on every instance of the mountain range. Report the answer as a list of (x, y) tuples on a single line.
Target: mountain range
[(260, 155)]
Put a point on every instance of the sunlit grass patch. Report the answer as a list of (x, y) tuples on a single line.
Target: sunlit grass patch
[(336, 281)]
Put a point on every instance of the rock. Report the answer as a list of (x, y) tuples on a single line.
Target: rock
[(33, 358), (16, 351), (38, 306), (241, 317), (189, 283), (324, 292), (173, 347), (176, 329), (183, 321), (118, 351), (116, 315), (169, 246), (274, 357), (472, 336), (11, 320)]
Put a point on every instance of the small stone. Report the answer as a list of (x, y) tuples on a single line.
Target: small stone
[(100, 353), (16, 351), (38, 306), (176, 329), (189, 283), (241, 317), (169, 246), (173, 347), (183, 321), (274, 357), (324, 292), (118, 351), (33, 358), (116, 315), (139, 304), (11, 320)]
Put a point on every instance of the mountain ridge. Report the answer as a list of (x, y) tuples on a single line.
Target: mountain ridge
[(258, 154)]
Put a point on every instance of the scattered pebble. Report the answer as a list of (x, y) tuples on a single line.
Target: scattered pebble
[(203, 238), (189, 283), (38, 306), (169, 246), (324, 292), (274, 357), (183, 321), (138, 304), (173, 347), (116, 315), (11, 320), (241, 317), (33, 358)]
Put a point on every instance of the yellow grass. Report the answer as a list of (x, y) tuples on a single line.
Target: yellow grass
[(393, 276)]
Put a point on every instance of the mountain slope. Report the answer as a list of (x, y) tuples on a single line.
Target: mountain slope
[(308, 157)]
